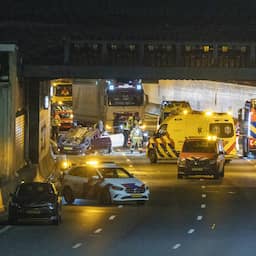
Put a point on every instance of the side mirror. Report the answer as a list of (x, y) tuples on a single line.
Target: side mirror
[(156, 135)]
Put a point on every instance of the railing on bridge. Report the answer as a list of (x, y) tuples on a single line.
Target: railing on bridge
[(148, 54)]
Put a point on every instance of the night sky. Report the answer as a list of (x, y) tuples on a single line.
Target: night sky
[(137, 11)]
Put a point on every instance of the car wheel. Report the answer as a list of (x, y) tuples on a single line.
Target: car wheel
[(216, 175), (68, 195), (57, 221), (105, 197), (152, 156)]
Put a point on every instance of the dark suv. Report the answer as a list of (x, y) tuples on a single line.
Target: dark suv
[(201, 156)]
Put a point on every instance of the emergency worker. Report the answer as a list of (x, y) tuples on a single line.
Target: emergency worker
[(126, 132), (131, 122), (56, 123), (136, 138)]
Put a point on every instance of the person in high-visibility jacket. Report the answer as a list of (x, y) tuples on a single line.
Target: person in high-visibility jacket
[(126, 132), (56, 123), (136, 137)]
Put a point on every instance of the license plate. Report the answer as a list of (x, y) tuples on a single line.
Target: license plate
[(33, 211), (67, 148), (197, 169), (136, 195)]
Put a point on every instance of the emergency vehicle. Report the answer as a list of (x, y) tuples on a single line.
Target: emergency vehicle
[(169, 138), (173, 107), (61, 91), (246, 128), (65, 114)]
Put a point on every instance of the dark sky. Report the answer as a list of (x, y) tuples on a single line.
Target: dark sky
[(173, 11)]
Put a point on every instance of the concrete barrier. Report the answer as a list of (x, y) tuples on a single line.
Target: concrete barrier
[(47, 166), (117, 140)]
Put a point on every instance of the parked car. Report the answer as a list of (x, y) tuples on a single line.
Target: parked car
[(83, 140), (201, 156), (106, 182), (35, 200)]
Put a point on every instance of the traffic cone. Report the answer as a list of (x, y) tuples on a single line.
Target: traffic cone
[(2, 208)]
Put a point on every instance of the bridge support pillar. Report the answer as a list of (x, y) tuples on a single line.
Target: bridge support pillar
[(33, 119)]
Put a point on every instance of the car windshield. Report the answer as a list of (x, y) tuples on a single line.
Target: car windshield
[(114, 173), (199, 146), (35, 190)]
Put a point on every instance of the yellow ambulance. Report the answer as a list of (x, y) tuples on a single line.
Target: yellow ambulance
[(167, 142)]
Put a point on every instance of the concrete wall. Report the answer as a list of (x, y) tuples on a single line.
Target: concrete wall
[(202, 94), (11, 102)]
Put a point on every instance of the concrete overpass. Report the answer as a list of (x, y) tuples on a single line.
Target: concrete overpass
[(247, 75)]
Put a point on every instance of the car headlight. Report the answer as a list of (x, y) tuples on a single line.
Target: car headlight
[(51, 206), (145, 186), (116, 187), (213, 161), (181, 162)]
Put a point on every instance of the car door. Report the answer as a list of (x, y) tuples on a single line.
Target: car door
[(92, 186), (77, 180)]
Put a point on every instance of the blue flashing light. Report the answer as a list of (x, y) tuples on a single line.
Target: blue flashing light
[(138, 87), (111, 87)]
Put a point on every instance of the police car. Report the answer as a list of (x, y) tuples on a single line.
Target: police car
[(106, 182)]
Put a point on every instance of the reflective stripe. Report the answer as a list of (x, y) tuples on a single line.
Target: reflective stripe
[(160, 150), (230, 147), (169, 147), (253, 130), (164, 147)]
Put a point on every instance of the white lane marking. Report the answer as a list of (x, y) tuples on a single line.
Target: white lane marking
[(203, 187), (176, 246), (191, 231), (128, 160), (97, 231), (77, 245), (213, 226), (201, 179), (231, 192), (2, 230), (120, 206), (112, 217), (203, 205), (203, 195), (199, 217)]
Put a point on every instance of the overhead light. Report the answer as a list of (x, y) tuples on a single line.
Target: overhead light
[(138, 87)]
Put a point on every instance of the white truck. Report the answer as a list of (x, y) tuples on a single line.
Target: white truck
[(111, 101)]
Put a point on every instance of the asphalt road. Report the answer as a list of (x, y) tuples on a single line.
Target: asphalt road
[(193, 216)]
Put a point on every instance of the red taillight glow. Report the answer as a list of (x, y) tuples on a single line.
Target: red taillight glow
[(252, 142)]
